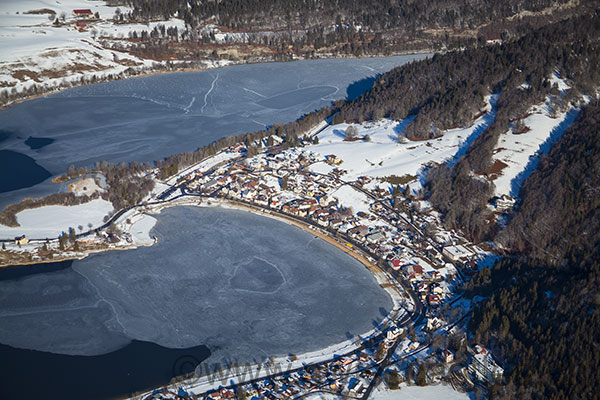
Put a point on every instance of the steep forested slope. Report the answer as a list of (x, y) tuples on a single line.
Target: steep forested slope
[(542, 318), (559, 212)]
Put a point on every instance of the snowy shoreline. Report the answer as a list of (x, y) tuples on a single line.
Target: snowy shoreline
[(209, 66)]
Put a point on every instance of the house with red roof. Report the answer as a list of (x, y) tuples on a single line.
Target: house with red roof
[(83, 13)]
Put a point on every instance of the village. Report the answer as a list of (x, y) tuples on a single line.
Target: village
[(370, 217)]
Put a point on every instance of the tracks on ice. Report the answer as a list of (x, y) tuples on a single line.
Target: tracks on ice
[(187, 109), (212, 86)]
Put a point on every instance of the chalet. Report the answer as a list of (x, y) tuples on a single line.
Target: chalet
[(306, 204), (238, 148), (493, 39), (358, 232), (262, 200), (434, 276), (393, 333), (377, 206), (359, 389), (21, 240), (347, 363), (323, 201), (437, 289), (336, 223), (332, 159), (251, 184), (213, 184), (434, 323), (363, 180), (83, 13), (422, 287), (227, 394), (447, 356), (362, 214), (323, 221), (413, 270), (433, 299)]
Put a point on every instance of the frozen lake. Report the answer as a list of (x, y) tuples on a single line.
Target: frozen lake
[(246, 286), (149, 118)]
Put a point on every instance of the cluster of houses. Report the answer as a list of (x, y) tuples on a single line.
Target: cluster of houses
[(344, 376), (83, 16)]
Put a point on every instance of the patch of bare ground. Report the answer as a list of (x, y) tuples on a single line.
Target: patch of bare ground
[(128, 63), (40, 11), (521, 130), (25, 75), (495, 170)]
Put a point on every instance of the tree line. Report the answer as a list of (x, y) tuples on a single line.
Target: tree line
[(341, 27)]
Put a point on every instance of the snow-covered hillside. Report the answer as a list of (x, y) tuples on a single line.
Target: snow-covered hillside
[(386, 155), (517, 151), (37, 51)]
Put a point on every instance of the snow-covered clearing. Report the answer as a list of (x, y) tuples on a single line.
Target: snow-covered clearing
[(51, 221), (384, 155), (140, 227), (85, 186), (436, 392), (516, 155), (350, 197)]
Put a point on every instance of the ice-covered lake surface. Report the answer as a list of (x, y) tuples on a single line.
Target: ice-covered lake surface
[(246, 286), (149, 118)]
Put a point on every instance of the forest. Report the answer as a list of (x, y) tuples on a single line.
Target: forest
[(541, 316), (309, 28)]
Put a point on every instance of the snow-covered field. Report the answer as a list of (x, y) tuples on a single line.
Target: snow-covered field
[(51, 221), (516, 155), (35, 51), (140, 227), (350, 197), (437, 392), (520, 152), (385, 155)]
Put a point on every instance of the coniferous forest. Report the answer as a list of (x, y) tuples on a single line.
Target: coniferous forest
[(283, 30), (541, 315)]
